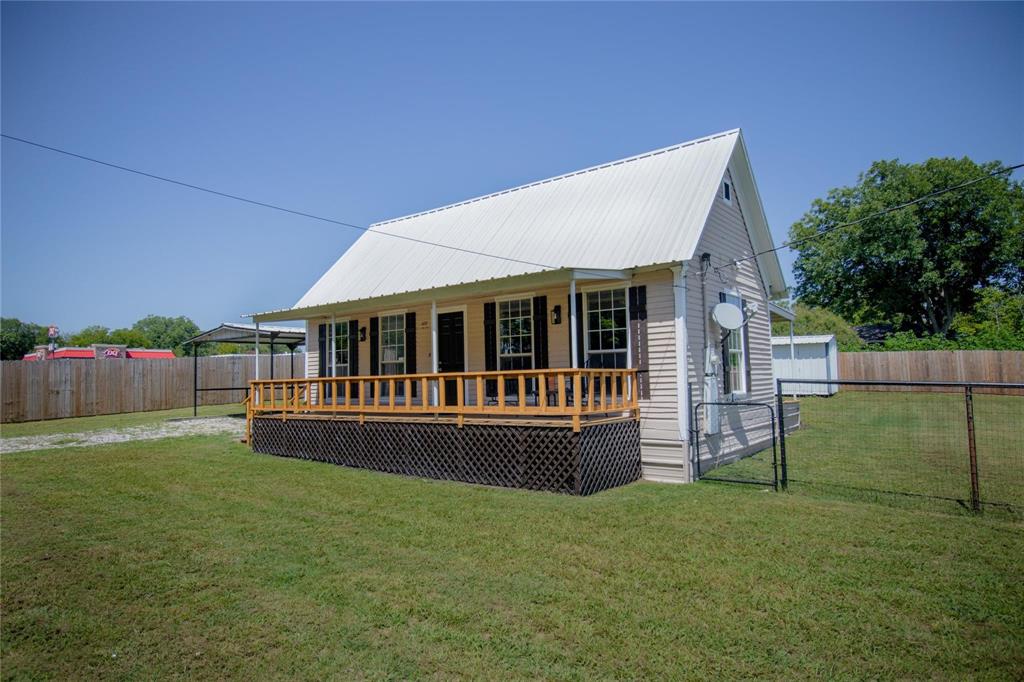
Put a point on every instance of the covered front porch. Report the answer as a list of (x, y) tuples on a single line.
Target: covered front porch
[(534, 381)]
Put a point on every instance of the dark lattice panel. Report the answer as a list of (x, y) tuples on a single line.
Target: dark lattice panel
[(533, 457), (609, 456)]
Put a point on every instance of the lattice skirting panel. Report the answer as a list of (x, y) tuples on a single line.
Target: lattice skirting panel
[(532, 457), (609, 456)]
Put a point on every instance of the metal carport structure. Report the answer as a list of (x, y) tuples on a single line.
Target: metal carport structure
[(253, 334)]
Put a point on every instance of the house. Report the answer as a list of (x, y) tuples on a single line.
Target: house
[(556, 335), (99, 351)]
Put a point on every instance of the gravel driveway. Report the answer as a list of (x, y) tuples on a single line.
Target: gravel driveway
[(205, 426)]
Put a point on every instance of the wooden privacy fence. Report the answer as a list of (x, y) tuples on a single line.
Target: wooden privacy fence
[(54, 389), (974, 366)]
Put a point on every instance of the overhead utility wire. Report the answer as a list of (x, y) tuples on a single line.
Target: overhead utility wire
[(361, 228), (272, 206), (877, 214)]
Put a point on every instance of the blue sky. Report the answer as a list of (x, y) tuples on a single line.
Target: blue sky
[(363, 112)]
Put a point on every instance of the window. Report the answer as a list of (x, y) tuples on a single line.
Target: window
[(734, 354), (727, 192), (515, 334), (392, 344), (606, 331), (341, 349)]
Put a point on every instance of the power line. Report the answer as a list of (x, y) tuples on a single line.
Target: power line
[(545, 266), (877, 214), (275, 207)]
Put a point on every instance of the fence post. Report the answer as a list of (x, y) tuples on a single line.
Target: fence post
[(782, 433), (971, 449)]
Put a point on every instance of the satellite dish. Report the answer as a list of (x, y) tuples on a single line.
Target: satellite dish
[(727, 315)]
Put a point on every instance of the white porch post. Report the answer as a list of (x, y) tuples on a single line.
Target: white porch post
[(434, 364), (682, 346), (575, 352), (334, 347), (257, 350)]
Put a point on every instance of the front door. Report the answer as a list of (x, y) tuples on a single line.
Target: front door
[(451, 350)]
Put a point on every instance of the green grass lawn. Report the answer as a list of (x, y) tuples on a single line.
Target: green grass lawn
[(111, 421), (193, 557), (895, 446)]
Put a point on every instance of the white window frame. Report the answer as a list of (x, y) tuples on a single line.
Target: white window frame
[(497, 331), (586, 291), (742, 351), (380, 342), (731, 189), (335, 345)]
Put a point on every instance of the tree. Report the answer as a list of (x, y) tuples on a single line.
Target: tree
[(16, 338), (130, 337), (167, 332), (811, 320), (92, 334), (917, 267)]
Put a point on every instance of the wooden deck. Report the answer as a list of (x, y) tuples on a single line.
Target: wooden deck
[(576, 397)]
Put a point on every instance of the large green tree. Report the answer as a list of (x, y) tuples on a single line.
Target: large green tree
[(16, 338), (918, 267), (167, 332)]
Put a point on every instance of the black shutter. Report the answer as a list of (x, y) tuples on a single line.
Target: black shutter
[(353, 348), (410, 349), (353, 355), (491, 346), (581, 350), (491, 336), (638, 330), (321, 346), (540, 332), (726, 388), (375, 346)]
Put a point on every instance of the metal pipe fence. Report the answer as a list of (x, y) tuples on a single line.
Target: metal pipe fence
[(927, 442)]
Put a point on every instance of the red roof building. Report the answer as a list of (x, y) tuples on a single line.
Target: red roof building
[(100, 352)]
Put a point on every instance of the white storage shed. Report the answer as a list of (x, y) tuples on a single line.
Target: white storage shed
[(806, 357)]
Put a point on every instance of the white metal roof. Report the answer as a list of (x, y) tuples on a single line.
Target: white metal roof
[(644, 210)]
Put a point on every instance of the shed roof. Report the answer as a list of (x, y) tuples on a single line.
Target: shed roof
[(805, 339), (236, 332), (643, 210)]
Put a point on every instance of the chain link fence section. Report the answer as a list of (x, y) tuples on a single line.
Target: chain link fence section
[(909, 443)]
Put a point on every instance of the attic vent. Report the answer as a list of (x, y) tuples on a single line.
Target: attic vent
[(727, 192)]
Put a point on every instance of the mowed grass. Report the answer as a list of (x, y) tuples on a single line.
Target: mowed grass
[(895, 447), (193, 557), (112, 421)]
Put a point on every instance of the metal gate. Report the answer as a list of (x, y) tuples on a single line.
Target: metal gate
[(754, 464)]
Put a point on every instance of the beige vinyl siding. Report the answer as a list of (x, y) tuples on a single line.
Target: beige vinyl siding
[(726, 238)]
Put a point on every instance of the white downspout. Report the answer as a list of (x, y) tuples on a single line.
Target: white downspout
[(573, 341), (682, 362)]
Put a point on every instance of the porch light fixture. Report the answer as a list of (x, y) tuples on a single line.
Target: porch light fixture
[(362, 333), (556, 315)]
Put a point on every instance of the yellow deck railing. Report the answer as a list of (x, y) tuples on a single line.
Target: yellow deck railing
[(571, 394)]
